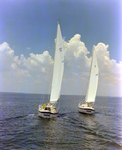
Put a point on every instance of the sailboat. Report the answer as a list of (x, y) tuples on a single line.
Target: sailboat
[(88, 106), (49, 110)]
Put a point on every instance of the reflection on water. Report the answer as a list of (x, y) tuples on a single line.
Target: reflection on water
[(21, 128)]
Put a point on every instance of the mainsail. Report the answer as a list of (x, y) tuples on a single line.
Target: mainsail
[(93, 80), (58, 68)]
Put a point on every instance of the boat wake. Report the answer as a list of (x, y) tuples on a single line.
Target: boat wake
[(66, 114), (62, 115), (18, 117)]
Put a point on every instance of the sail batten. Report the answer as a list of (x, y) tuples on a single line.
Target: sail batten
[(58, 68), (93, 80)]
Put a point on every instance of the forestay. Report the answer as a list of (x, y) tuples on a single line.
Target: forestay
[(58, 68), (93, 80)]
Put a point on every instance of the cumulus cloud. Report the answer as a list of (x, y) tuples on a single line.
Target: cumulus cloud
[(20, 74), (34, 74), (76, 66), (6, 57), (110, 72)]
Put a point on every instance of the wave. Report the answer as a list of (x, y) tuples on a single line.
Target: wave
[(17, 117), (65, 113), (114, 144)]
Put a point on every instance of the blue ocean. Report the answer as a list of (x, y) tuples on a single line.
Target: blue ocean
[(22, 129)]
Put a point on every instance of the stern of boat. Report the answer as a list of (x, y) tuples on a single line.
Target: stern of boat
[(47, 111), (85, 109)]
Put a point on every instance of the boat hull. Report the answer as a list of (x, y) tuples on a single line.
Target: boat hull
[(45, 114), (86, 110)]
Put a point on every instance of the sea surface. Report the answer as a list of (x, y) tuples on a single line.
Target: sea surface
[(22, 129)]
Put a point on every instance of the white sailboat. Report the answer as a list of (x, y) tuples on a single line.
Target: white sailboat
[(88, 106), (49, 110)]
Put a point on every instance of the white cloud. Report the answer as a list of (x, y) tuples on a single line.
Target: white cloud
[(33, 74), (6, 57), (77, 65), (110, 72), (24, 74)]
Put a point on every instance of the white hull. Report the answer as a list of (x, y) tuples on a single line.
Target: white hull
[(86, 109), (47, 114), (50, 112)]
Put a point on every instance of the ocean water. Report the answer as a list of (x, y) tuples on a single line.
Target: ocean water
[(21, 128)]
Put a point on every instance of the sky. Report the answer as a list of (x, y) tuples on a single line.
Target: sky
[(27, 44)]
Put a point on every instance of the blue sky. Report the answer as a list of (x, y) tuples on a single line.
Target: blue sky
[(27, 34), (32, 24)]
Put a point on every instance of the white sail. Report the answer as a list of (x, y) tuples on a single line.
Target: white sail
[(58, 68), (93, 80)]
